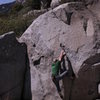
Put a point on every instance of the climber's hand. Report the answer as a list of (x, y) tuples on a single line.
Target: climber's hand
[(63, 52)]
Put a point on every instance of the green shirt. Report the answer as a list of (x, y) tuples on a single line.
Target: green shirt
[(55, 68)]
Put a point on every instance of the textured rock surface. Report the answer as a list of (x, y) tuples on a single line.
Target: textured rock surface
[(14, 67), (78, 28)]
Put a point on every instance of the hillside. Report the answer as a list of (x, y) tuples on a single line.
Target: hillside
[(17, 16)]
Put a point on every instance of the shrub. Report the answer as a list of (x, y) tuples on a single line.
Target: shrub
[(16, 21), (16, 8), (16, 24), (34, 4)]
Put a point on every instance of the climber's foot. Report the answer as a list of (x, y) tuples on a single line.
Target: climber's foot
[(72, 77), (60, 94)]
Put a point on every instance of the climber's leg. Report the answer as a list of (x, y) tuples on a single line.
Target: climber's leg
[(70, 69), (63, 70), (56, 82), (63, 63), (62, 75), (63, 66)]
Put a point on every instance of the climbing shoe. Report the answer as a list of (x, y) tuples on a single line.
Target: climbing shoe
[(60, 94)]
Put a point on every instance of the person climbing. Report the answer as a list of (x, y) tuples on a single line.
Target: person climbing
[(56, 68)]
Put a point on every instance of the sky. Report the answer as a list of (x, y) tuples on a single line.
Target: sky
[(5, 1)]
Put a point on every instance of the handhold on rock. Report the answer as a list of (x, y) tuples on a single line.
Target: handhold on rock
[(37, 62), (69, 14)]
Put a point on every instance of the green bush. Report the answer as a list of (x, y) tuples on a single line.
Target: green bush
[(16, 21), (24, 11), (34, 4), (16, 8), (17, 24)]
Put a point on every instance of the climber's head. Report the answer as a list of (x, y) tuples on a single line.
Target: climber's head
[(55, 60)]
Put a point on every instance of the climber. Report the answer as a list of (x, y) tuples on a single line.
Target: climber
[(56, 67)]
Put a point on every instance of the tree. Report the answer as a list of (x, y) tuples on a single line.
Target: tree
[(34, 4), (16, 7)]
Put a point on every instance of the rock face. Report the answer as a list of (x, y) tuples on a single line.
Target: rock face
[(14, 69), (56, 3), (78, 28)]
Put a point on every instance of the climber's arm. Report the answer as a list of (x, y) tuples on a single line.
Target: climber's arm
[(61, 55)]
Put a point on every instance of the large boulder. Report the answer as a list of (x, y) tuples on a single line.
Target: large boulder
[(14, 69), (77, 27)]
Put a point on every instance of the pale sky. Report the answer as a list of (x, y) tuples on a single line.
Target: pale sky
[(5, 1)]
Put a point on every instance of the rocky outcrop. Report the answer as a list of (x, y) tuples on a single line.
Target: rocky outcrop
[(77, 27), (55, 3), (14, 69)]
